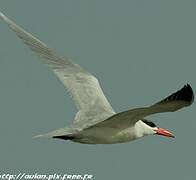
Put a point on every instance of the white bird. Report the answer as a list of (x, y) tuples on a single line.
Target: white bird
[(96, 122)]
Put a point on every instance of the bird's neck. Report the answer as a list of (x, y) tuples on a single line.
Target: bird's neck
[(142, 129)]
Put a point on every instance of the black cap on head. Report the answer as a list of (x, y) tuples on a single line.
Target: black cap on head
[(149, 123)]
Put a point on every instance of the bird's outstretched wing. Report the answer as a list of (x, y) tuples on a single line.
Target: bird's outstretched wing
[(83, 86), (182, 98)]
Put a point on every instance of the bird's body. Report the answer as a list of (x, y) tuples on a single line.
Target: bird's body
[(105, 135), (110, 135), (96, 122)]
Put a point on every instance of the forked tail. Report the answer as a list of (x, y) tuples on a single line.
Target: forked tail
[(63, 133)]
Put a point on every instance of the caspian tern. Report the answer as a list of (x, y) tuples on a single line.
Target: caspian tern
[(96, 122)]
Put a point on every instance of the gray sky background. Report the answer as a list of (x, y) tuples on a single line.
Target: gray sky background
[(141, 51)]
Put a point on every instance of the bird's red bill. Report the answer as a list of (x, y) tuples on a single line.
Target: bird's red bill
[(164, 132)]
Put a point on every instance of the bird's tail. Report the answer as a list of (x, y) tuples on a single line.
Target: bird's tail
[(63, 132)]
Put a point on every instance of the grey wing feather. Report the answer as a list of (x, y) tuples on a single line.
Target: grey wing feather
[(182, 98), (83, 86)]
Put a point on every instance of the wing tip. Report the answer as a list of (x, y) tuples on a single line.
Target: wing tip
[(187, 93), (184, 94), (6, 19), (3, 16)]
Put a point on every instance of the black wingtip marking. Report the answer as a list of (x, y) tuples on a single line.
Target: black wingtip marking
[(185, 94)]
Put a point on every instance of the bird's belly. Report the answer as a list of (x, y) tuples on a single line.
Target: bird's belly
[(105, 136)]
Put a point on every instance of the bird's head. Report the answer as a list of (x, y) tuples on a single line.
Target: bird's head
[(153, 129)]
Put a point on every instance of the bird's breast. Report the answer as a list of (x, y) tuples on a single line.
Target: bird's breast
[(107, 135)]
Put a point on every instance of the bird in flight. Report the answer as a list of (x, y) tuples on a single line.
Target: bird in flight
[(96, 122)]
